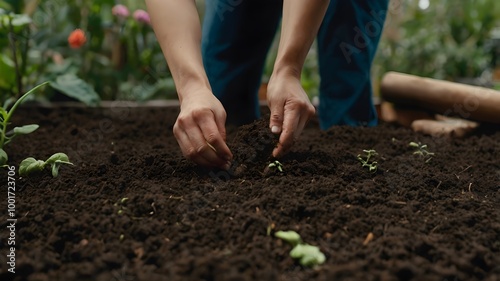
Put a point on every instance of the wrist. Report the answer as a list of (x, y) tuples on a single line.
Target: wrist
[(286, 71), (191, 86)]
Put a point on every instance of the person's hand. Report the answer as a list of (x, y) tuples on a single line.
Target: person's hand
[(290, 110), (200, 130)]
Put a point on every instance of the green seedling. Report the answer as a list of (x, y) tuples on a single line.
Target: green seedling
[(120, 204), (31, 165), (368, 161), (276, 164), (307, 255), (5, 116), (421, 149)]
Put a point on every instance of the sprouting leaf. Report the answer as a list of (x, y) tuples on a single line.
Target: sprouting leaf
[(3, 157), (3, 112), (290, 236), (26, 129), (30, 165), (413, 144), (59, 158), (56, 160), (309, 255)]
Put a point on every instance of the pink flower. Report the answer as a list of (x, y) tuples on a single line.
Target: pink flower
[(142, 16), (120, 11)]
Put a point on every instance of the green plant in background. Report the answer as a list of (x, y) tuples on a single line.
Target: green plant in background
[(31, 165), (445, 40), (307, 255), (119, 58), (367, 161), (16, 61)]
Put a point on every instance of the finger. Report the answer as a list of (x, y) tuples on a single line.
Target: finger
[(200, 148), (290, 123), (277, 117), (186, 148), (211, 129)]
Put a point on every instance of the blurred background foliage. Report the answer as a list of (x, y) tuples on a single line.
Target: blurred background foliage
[(446, 39), (120, 59)]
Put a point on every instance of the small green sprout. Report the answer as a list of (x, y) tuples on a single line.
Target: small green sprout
[(365, 162), (31, 165), (120, 204), (276, 164), (307, 255), (421, 149), (290, 236)]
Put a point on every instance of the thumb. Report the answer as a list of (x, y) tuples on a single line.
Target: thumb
[(276, 120)]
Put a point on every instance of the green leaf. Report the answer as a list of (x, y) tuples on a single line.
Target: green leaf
[(8, 77), (4, 6), (26, 129), (58, 158), (18, 21), (3, 113), (30, 165), (21, 20), (74, 87), (3, 157), (309, 255), (290, 236)]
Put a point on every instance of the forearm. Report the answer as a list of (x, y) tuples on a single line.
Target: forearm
[(301, 22), (178, 31)]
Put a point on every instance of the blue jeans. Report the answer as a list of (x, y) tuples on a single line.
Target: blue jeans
[(237, 35)]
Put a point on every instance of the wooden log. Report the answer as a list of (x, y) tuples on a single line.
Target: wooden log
[(442, 97)]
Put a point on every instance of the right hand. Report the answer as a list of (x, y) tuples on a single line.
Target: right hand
[(200, 130)]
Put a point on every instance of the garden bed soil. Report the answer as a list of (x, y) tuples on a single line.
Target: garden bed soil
[(432, 218)]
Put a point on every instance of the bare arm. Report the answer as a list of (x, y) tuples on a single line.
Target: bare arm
[(289, 104), (200, 127)]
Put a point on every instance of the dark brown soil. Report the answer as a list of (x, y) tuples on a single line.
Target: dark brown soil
[(432, 218)]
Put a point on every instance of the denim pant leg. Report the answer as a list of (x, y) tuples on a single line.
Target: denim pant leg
[(347, 43), (237, 35)]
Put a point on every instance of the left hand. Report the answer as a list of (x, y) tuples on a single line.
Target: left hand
[(290, 110)]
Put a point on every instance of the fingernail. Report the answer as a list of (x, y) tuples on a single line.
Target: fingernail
[(227, 166), (275, 129)]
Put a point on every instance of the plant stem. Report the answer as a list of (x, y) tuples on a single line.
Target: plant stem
[(24, 52), (11, 111), (19, 78)]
